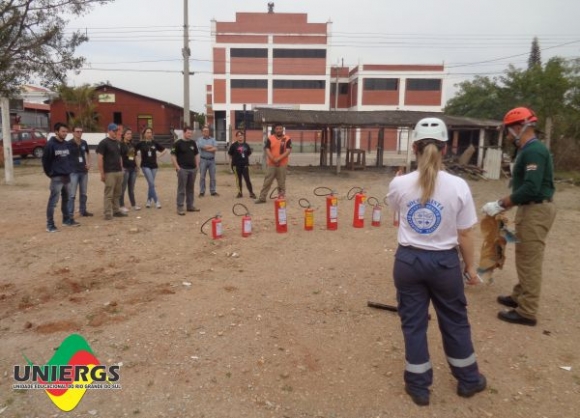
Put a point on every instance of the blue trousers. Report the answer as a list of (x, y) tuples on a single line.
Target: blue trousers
[(80, 181), (150, 174), (422, 277), (59, 187), (129, 179), (204, 167)]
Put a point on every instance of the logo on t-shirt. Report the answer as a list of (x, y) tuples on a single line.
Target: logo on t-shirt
[(424, 219)]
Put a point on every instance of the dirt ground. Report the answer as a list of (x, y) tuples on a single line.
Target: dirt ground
[(273, 325)]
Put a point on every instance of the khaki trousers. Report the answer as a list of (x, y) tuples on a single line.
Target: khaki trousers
[(533, 222), (278, 173), (113, 189)]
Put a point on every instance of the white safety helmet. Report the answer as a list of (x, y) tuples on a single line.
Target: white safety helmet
[(430, 128)]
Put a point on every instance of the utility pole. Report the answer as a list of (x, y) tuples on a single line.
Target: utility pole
[(6, 133), (186, 53)]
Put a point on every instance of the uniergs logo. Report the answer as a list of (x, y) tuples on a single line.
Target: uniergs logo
[(72, 370)]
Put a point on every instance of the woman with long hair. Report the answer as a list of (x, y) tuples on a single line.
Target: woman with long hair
[(437, 215), (129, 169), (239, 153), (148, 149)]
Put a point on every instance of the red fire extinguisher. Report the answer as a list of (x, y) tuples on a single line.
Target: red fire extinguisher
[(331, 207), (216, 227), (360, 198), (308, 214), (281, 215), (377, 211), (246, 220)]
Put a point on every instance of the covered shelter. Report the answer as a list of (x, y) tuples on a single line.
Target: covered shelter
[(335, 125)]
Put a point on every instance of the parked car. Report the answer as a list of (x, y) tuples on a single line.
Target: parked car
[(27, 142)]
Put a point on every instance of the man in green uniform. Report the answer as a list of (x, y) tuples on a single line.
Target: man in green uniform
[(532, 192)]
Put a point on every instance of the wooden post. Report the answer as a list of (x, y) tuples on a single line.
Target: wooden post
[(380, 147)]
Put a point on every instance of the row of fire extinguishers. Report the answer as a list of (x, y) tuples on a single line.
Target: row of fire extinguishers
[(281, 216)]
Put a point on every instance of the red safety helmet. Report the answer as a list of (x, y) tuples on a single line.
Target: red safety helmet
[(521, 115)]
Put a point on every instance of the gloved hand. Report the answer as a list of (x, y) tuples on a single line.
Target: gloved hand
[(492, 208)]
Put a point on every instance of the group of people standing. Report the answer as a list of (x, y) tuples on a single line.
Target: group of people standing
[(119, 159)]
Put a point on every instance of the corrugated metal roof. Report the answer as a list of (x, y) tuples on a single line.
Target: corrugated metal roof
[(347, 118)]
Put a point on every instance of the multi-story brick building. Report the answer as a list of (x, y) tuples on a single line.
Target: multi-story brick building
[(267, 59), (282, 60)]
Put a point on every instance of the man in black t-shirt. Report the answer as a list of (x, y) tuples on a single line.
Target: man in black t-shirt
[(185, 158), (111, 169)]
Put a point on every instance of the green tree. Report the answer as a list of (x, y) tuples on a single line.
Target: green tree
[(200, 119), (552, 90), (35, 44), (481, 98), (81, 106), (535, 58)]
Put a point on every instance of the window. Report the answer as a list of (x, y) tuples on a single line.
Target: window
[(248, 84), (248, 53), (424, 84), (391, 84), (118, 118), (342, 88), (300, 84), (299, 53), (247, 120)]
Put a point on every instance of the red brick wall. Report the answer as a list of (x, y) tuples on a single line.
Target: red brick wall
[(306, 96), (353, 91), (300, 40), (219, 60), (390, 143), (219, 91), (165, 116), (375, 67), (423, 98), (380, 97), (342, 100), (248, 65), (255, 96), (271, 23), (307, 66), (241, 39)]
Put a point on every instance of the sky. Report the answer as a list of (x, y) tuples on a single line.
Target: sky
[(136, 44)]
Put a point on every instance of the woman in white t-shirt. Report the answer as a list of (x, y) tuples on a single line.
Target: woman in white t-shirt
[(437, 214)]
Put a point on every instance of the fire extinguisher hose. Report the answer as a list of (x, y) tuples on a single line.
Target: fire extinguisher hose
[(273, 196), (205, 223), (353, 191), (323, 191), (304, 203), (373, 201), (241, 205)]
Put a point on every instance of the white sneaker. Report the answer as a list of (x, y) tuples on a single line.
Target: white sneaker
[(158, 205), (124, 209), (148, 204), (136, 207)]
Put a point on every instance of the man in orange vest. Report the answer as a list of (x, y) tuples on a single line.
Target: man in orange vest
[(278, 147)]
